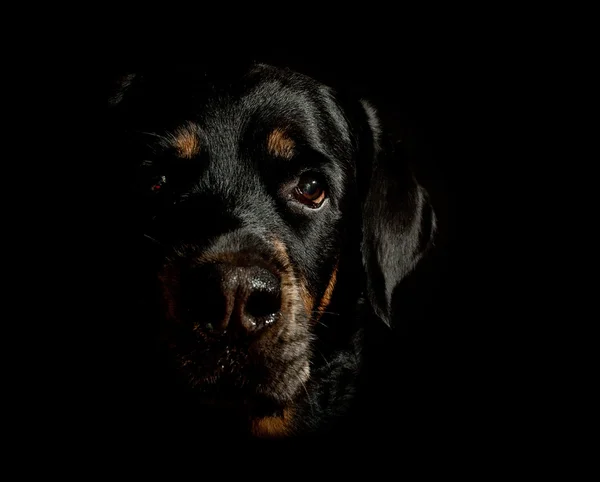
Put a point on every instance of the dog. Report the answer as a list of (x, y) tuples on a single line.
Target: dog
[(271, 220)]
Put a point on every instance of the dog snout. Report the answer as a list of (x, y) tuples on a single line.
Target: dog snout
[(224, 298)]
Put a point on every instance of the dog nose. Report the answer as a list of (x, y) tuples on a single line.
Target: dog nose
[(236, 299)]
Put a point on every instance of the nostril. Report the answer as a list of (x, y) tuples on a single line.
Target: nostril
[(208, 310), (203, 300), (263, 304)]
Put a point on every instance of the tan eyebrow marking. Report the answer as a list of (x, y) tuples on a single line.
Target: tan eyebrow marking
[(186, 141), (279, 144)]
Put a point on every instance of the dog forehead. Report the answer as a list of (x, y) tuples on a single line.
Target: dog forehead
[(287, 108), (206, 112)]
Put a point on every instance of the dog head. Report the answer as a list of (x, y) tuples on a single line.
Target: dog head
[(267, 203)]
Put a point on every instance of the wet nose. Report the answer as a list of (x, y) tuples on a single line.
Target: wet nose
[(223, 298)]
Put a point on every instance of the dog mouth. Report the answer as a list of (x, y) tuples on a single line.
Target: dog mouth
[(260, 375), (224, 360)]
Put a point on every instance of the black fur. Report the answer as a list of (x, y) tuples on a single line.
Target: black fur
[(232, 196)]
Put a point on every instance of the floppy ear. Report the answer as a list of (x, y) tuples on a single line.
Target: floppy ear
[(399, 224)]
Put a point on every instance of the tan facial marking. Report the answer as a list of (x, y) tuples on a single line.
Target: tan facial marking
[(273, 427), (186, 142), (328, 292), (289, 284), (307, 299), (281, 251), (280, 145)]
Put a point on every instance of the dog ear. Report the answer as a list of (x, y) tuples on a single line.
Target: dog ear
[(398, 221)]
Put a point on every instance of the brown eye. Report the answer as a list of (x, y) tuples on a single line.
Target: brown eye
[(310, 191)]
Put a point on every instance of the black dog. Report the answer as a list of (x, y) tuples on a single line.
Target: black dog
[(273, 220)]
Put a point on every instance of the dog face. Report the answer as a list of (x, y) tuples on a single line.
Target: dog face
[(250, 190)]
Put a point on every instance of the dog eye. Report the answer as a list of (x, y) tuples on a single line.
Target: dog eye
[(158, 183), (310, 191)]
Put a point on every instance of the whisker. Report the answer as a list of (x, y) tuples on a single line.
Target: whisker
[(310, 402), (152, 239), (319, 322), (153, 134), (323, 356)]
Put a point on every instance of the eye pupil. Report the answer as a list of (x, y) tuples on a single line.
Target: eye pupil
[(310, 191), (311, 188)]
